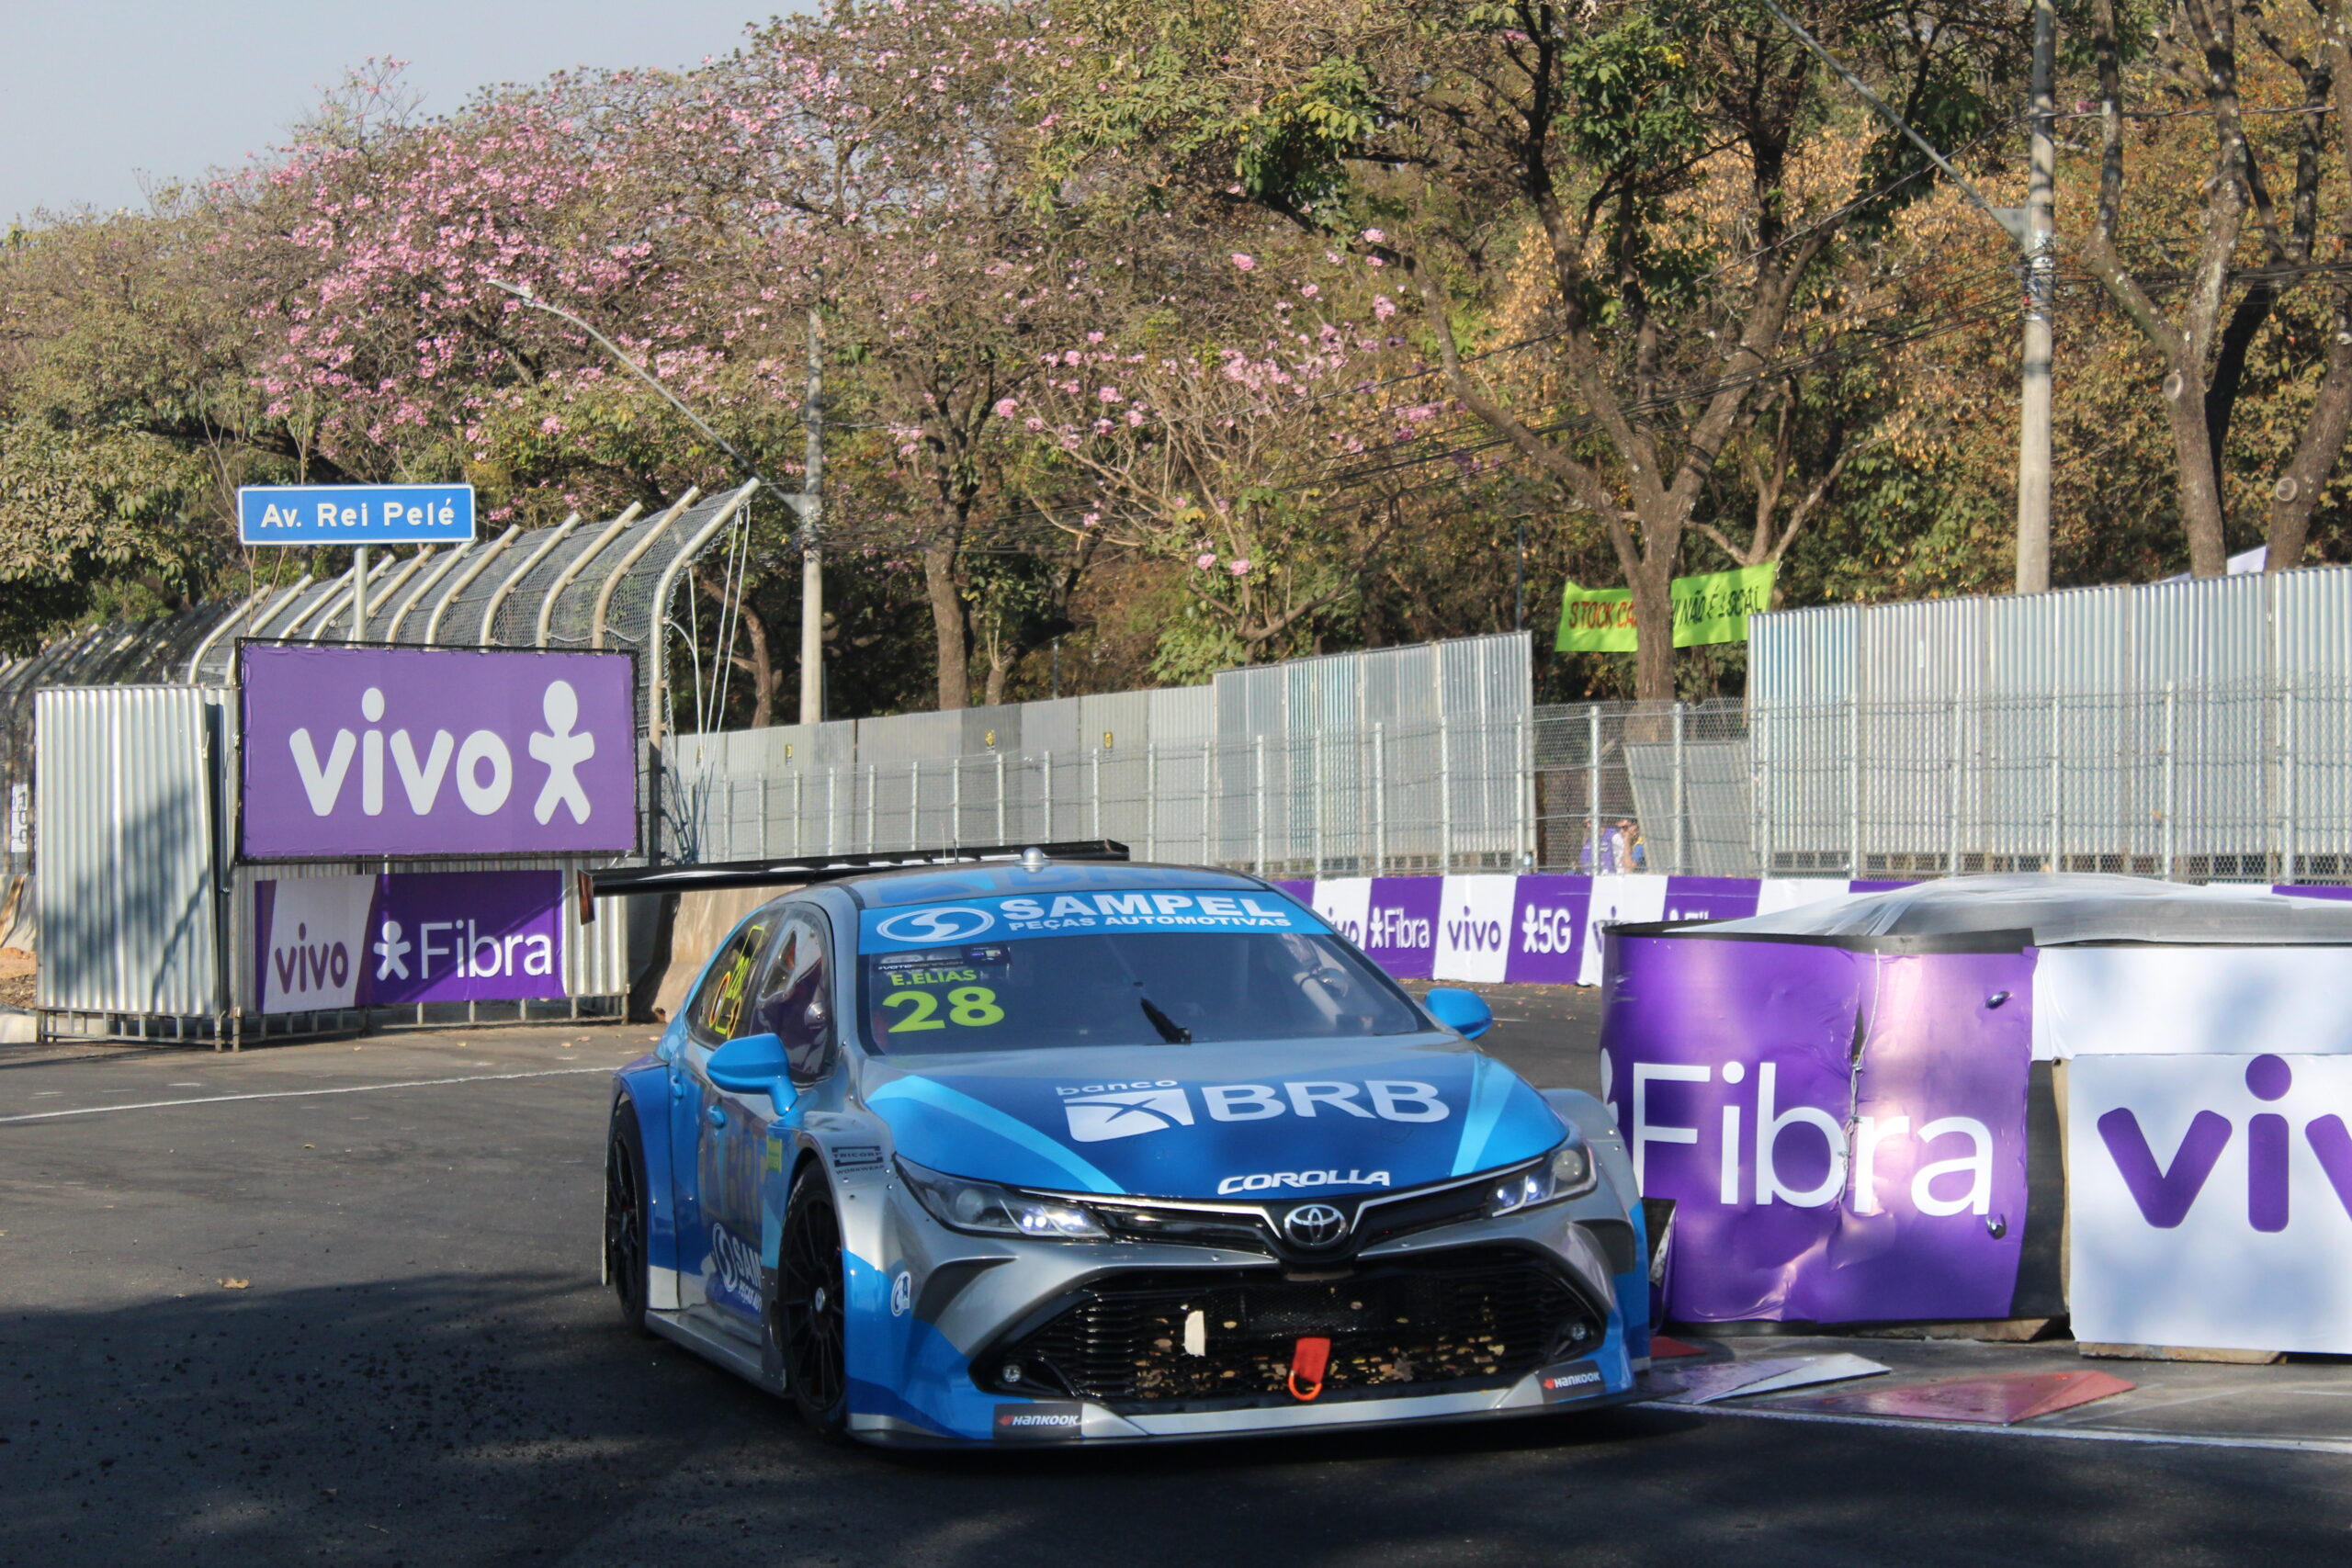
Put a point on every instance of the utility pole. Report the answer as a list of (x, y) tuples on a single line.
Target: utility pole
[(2040, 279), (358, 593), (2033, 228), (1518, 578), (812, 570), (806, 504)]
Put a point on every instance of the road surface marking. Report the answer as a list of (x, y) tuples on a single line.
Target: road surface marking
[(300, 1093)]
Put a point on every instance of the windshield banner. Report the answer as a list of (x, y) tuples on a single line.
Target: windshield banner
[(1075, 914)]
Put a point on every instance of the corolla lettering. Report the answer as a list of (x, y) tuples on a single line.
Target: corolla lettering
[(1268, 1180)]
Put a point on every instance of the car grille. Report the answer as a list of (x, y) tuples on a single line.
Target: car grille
[(1461, 1319), (1253, 1227)]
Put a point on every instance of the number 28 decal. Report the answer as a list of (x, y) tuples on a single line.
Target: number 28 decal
[(974, 1007)]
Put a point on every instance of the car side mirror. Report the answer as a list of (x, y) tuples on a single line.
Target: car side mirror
[(753, 1065), (1464, 1013)]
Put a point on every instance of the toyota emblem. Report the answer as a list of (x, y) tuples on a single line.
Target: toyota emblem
[(1313, 1226)]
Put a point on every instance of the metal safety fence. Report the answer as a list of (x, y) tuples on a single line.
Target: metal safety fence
[(1429, 796), (2235, 782)]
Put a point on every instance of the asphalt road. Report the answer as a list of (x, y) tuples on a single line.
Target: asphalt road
[(365, 1328)]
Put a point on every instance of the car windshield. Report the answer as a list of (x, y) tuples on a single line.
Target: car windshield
[(1126, 988)]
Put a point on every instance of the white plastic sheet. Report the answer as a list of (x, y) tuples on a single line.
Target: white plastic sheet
[(2163, 1000)]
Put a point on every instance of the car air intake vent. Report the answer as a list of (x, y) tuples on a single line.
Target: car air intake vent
[(1160, 1340), (1244, 1232)]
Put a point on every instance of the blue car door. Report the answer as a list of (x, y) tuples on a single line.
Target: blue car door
[(719, 1135)]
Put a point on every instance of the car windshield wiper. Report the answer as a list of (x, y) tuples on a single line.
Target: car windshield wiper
[(1170, 1030)]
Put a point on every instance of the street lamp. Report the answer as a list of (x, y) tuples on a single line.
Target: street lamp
[(806, 503)]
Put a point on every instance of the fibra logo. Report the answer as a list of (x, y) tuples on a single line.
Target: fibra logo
[(2166, 1192), (1098, 1112), (941, 922)]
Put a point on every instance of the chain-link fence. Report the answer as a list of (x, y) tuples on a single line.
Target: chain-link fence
[(2246, 782)]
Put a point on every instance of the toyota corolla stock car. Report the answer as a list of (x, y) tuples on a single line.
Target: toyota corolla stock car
[(1045, 1151)]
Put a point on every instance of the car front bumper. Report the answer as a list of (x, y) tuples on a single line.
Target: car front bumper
[(932, 1311)]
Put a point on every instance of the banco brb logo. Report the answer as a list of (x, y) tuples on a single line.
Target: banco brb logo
[(945, 922)]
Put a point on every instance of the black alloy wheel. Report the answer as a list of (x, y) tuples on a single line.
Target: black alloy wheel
[(811, 1319), (625, 1217)]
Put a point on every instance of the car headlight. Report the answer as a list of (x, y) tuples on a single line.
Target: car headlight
[(985, 1209), (1566, 1172)]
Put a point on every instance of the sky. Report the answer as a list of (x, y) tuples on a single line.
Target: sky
[(96, 93)]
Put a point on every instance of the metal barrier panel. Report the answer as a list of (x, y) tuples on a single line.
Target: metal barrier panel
[(128, 839)]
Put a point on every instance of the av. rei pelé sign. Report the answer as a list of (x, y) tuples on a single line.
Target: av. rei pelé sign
[(408, 752)]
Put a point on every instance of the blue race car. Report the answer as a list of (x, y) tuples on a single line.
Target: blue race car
[(1038, 1151)]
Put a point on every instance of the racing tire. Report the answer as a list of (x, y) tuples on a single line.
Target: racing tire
[(810, 1311), (627, 1213)]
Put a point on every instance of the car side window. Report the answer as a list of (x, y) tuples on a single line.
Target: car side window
[(795, 1001), (718, 1009)]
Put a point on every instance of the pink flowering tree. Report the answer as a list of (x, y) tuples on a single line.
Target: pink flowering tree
[(876, 165), (1257, 471), (399, 355)]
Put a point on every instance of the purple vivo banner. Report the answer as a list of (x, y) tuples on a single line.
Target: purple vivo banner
[(366, 752), (1393, 918), (1843, 1133), (401, 938)]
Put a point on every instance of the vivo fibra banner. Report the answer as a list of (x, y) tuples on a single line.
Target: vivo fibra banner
[(368, 751), (1843, 1133), (324, 943), (1538, 928)]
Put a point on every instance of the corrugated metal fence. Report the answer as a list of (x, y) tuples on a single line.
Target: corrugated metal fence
[(1393, 759), (128, 915)]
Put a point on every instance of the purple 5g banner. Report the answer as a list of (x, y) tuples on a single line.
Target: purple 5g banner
[(368, 751)]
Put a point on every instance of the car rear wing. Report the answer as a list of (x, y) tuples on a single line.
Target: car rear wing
[(799, 869)]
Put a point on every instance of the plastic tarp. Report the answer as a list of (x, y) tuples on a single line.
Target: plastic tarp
[(2066, 908)]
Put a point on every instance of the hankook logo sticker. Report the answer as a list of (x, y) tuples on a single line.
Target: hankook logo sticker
[(1041, 1421)]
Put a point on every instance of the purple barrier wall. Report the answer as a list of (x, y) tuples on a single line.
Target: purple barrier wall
[(1843, 1133)]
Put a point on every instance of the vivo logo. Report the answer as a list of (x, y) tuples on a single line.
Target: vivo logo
[(1471, 935), (1752, 1139), (2166, 1192), (480, 768), (305, 966)]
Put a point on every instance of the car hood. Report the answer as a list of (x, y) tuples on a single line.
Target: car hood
[(1279, 1117)]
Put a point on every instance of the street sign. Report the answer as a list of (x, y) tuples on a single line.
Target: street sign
[(354, 514)]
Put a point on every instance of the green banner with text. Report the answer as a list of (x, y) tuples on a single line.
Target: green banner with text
[(1711, 608)]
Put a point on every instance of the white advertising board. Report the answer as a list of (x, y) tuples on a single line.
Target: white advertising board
[(2210, 1200)]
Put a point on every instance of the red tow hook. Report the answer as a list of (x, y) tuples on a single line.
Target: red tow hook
[(1307, 1359)]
